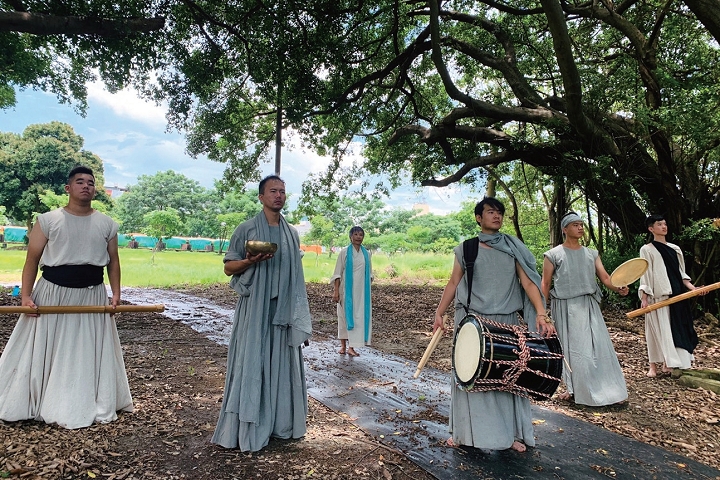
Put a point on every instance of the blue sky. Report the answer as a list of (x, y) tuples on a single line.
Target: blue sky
[(130, 135)]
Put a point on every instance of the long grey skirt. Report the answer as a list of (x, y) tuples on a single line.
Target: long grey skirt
[(283, 400), (64, 368), (596, 378)]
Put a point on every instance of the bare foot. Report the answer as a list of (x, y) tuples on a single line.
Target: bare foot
[(351, 351), (341, 351), (666, 370), (518, 446), (651, 373), (450, 443), (564, 396)]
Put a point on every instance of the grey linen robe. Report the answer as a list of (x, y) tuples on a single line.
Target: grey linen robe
[(493, 420), (265, 391), (596, 378)]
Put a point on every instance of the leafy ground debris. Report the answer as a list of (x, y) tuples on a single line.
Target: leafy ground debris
[(176, 376)]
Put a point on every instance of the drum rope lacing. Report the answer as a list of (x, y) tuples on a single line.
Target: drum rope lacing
[(517, 367)]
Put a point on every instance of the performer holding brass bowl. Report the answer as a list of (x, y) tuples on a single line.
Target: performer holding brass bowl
[(265, 392)]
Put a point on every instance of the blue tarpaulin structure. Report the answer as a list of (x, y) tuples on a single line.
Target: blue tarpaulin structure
[(18, 234), (172, 243), (15, 234)]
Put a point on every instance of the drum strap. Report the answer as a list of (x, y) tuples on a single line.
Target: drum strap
[(470, 253)]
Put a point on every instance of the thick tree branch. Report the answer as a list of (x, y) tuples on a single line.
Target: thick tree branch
[(708, 12), (358, 87), (547, 156), (595, 139), (437, 57), (480, 108), (506, 65), (430, 136), (201, 14), (612, 18), (457, 114), (40, 24), (516, 81), (466, 168), (502, 36), (514, 11), (624, 6)]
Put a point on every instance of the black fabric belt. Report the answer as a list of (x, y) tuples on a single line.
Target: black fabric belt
[(74, 276)]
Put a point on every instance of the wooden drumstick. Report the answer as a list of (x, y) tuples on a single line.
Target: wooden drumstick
[(81, 309), (671, 300), (431, 347)]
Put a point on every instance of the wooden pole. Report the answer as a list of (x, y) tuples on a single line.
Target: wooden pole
[(671, 300), (5, 310), (430, 348)]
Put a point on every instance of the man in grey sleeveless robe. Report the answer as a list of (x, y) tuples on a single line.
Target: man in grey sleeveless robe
[(265, 390), (67, 368), (505, 281), (594, 377)]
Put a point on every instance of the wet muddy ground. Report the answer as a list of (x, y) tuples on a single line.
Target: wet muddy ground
[(177, 376)]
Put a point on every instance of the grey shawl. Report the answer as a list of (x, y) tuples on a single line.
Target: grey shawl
[(516, 249), (293, 309)]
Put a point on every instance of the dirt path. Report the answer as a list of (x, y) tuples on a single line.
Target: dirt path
[(176, 377)]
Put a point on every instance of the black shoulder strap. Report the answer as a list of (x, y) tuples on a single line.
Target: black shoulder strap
[(470, 252)]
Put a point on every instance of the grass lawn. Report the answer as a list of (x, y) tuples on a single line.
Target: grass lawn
[(142, 268)]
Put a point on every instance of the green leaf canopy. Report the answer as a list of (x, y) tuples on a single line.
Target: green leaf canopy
[(619, 100)]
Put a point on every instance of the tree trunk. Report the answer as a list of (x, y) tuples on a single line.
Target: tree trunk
[(278, 135), (561, 207), (490, 187)]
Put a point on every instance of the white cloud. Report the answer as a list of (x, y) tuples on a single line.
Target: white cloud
[(128, 104), (301, 162)]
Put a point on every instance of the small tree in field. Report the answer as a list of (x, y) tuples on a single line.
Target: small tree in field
[(323, 232), (162, 224), (227, 223)]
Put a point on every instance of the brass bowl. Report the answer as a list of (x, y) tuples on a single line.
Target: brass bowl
[(254, 247)]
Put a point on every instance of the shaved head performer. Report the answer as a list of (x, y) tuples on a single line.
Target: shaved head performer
[(67, 368), (594, 377), (265, 391)]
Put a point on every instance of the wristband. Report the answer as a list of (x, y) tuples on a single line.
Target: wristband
[(546, 317)]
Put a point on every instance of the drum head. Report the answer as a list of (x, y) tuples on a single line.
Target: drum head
[(468, 350), (628, 272)]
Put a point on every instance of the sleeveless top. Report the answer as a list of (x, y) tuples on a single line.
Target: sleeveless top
[(76, 240), (574, 274)]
